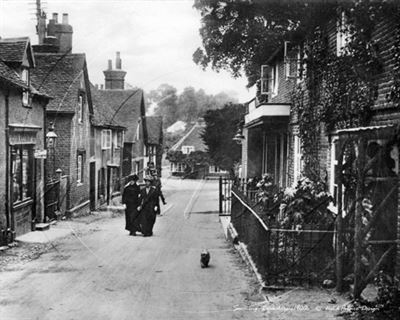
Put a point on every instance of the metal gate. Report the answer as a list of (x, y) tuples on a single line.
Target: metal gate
[(52, 199), (225, 186)]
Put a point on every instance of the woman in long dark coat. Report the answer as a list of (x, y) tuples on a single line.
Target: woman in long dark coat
[(157, 185), (131, 198), (148, 207)]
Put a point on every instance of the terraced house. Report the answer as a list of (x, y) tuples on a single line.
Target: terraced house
[(327, 108), (64, 76), (105, 166), (127, 110), (154, 141), (22, 140)]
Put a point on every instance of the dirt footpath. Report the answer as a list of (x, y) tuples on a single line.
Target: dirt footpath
[(100, 272)]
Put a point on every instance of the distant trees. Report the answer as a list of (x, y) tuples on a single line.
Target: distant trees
[(188, 106), (221, 127), (166, 99)]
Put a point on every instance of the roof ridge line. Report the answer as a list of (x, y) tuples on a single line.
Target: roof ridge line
[(184, 137)]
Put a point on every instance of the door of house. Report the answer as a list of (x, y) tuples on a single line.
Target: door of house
[(51, 199), (275, 156), (92, 177), (108, 193)]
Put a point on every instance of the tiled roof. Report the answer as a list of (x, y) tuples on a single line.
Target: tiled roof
[(10, 76), (13, 49), (118, 108), (192, 138), (59, 76), (154, 130)]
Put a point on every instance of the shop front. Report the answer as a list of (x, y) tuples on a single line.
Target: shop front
[(25, 176)]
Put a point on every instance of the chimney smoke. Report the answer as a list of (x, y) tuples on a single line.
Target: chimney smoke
[(118, 62), (55, 17), (110, 64), (65, 18)]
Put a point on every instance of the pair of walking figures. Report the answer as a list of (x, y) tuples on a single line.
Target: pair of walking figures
[(142, 205)]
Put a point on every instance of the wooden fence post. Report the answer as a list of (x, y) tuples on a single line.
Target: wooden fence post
[(339, 223), (358, 218)]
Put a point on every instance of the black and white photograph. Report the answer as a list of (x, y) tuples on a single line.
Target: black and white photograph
[(199, 159)]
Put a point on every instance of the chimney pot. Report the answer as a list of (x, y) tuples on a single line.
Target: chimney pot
[(109, 64), (65, 18), (118, 61), (55, 17)]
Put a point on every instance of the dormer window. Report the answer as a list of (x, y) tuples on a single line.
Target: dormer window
[(25, 75), (80, 108), (25, 94), (269, 79), (274, 79), (187, 149), (265, 80)]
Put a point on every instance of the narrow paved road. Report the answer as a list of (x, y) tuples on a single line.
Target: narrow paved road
[(106, 274)]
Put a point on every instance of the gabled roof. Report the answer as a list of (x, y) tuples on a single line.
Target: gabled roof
[(192, 138), (59, 76), (154, 130), (103, 112), (13, 50), (10, 76), (122, 108)]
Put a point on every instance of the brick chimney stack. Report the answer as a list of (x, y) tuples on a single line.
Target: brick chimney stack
[(62, 31), (118, 62), (115, 78), (65, 18)]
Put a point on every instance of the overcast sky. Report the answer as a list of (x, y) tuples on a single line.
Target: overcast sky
[(156, 39)]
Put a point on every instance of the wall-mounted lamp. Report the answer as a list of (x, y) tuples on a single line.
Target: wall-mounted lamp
[(51, 136), (239, 137)]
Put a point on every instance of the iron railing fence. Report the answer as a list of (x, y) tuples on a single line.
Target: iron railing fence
[(283, 256)]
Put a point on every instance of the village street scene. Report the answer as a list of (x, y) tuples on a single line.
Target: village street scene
[(199, 159)]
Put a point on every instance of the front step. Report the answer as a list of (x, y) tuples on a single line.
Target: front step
[(42, 226)]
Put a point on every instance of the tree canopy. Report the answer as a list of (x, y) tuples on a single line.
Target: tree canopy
[(239, 36), (221, 127)]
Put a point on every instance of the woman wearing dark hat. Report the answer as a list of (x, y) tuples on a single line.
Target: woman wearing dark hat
[(148, 207), (131, 198), (157, 185)]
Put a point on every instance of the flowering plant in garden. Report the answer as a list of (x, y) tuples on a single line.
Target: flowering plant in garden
[(306, 204), (268, 195)]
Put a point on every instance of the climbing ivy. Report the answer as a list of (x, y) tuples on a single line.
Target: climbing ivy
[(339, 90), (394, 93)]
